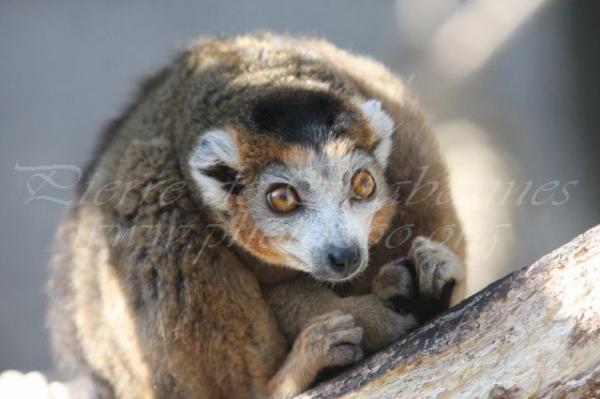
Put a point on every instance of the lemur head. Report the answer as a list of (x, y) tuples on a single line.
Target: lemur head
[(300, 181)]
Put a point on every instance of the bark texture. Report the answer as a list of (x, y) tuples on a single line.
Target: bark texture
[(534, 333)]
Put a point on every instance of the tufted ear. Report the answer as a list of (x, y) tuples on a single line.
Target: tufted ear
[(383, 126), (214, 165)]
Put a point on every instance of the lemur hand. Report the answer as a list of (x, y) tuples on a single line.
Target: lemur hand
[(437, 268), (422, 283), (329, 340)]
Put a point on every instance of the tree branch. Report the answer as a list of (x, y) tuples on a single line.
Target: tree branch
[(534, 333)]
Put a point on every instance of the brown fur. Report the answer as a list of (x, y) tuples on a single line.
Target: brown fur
[(148, 301)]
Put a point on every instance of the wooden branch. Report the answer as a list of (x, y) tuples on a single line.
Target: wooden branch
[(535, 333)]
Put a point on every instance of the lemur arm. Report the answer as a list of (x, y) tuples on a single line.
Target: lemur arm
[(298, 302), (437, 270), (326, 330)]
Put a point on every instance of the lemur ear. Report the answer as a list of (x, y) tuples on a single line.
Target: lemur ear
[(383, 126), (214, 165)]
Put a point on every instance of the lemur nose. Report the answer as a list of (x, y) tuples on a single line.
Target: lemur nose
[(344, 260)]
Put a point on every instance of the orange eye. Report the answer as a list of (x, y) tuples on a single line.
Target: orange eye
[(283, 199), (363, 185)]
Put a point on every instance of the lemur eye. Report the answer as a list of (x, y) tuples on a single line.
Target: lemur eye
[(283, 198), (363, 185)]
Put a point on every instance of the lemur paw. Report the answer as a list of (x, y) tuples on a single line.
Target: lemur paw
[(394, 280), (331, 340), (382, 324), (437, 268)]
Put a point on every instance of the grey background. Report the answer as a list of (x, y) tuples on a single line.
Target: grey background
[(66, 67)]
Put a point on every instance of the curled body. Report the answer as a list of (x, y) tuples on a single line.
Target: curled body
[(253, 218)]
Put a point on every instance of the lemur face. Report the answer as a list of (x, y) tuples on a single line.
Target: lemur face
[(319, 208), (315, 208)]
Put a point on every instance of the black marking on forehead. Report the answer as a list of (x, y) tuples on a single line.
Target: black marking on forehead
[(306, 117)]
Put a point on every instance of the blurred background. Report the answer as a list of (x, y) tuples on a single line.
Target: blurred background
[(512, 87)]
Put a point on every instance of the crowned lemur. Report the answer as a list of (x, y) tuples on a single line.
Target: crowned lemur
[(254, 217)]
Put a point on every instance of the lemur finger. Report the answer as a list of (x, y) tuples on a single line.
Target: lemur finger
[(436, 267), (425, 268), (344, 354), (394, 279), (347, 336), (322, 332)]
